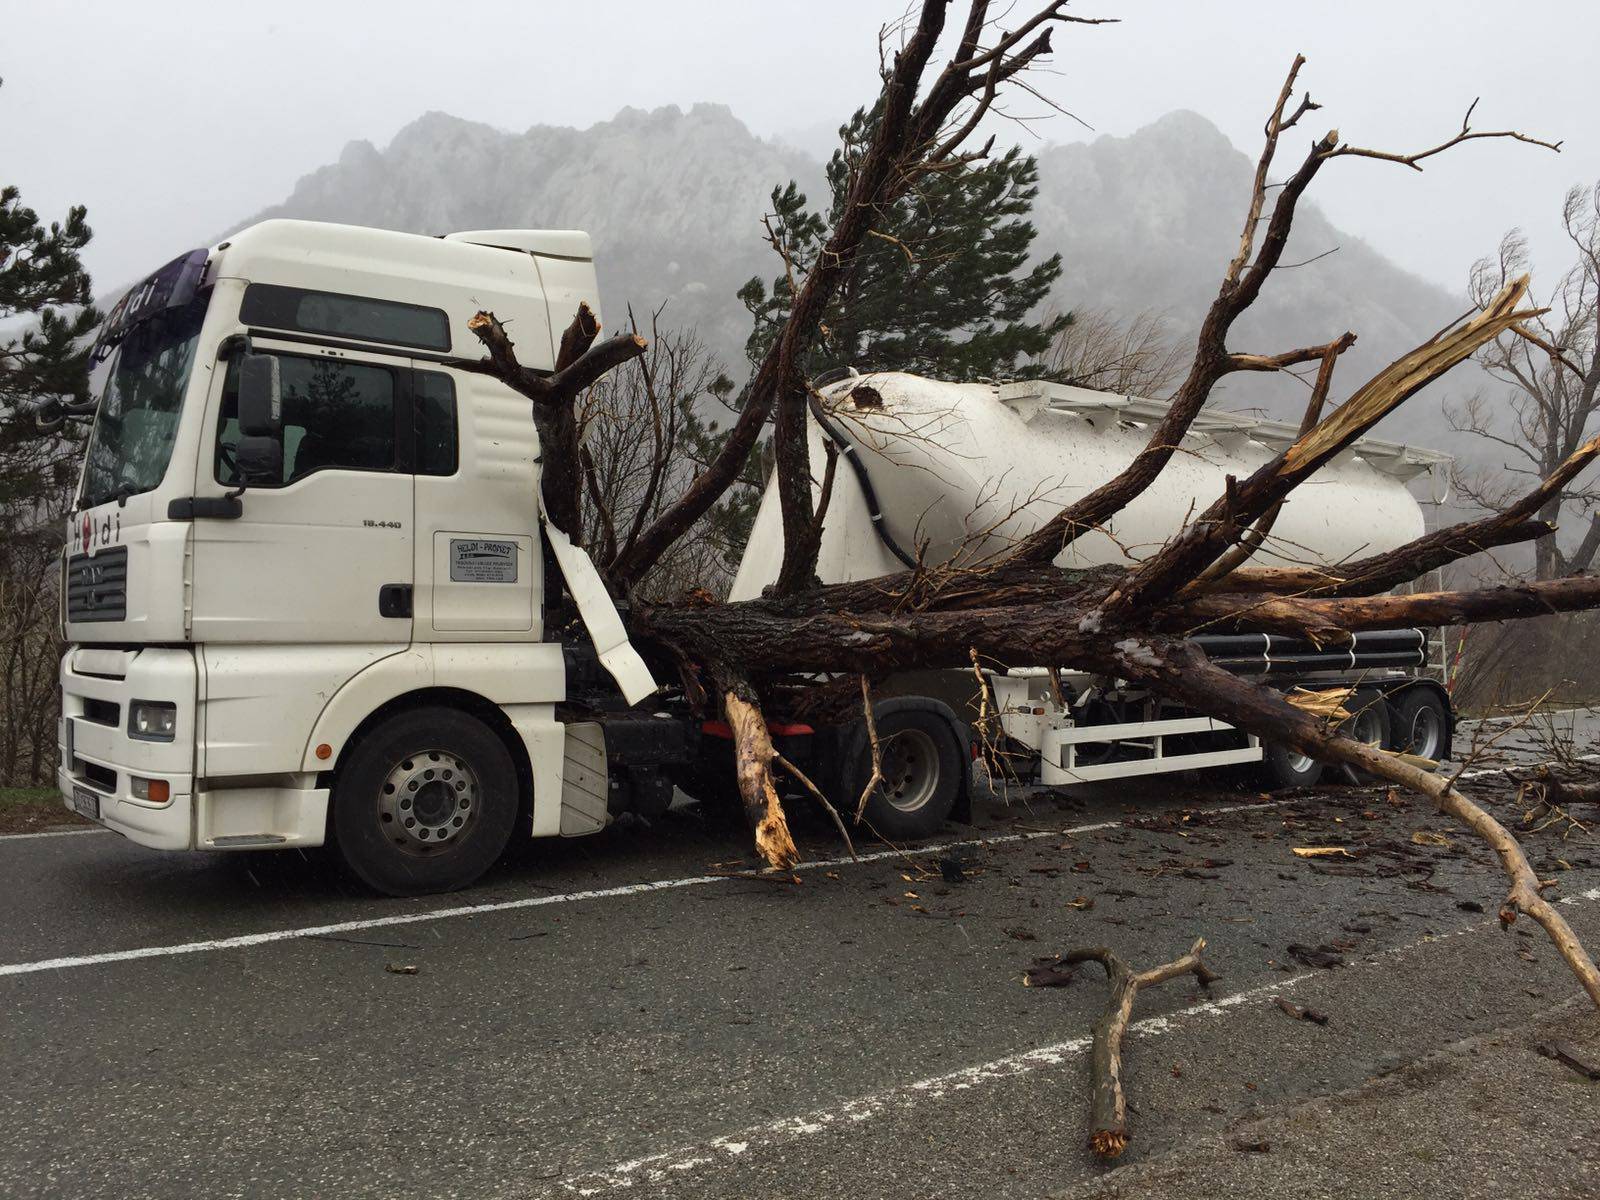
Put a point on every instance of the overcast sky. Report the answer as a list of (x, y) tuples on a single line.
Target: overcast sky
[(173, 120)]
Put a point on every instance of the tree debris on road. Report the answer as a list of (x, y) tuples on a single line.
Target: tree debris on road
[(1565, 1055), (1303, 1013), (1109, 1135)]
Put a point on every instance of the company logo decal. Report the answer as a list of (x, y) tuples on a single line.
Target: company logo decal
[(104, 533), (479, 560)]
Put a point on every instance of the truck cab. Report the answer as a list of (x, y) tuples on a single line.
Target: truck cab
[(241, 636)]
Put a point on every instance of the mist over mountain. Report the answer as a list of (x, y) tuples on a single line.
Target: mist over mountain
[(672, 199), (674, 202), (1151, 221)]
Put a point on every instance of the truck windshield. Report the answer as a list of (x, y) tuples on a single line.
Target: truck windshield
[(143, 380)]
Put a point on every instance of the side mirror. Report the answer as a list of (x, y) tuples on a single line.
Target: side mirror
[(260, 397), (259, 454)]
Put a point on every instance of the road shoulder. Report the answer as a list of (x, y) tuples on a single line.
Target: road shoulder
[(1485, 1116)]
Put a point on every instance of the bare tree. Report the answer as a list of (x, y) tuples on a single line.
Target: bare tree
[(806, 643), (30, 652), (644, 430), (1136, 357), (1551, 404)]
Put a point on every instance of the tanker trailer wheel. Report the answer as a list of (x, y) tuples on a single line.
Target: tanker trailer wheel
[(1420, 723), (1369, 723), (425, 803), (1282, 767), (920, 756)]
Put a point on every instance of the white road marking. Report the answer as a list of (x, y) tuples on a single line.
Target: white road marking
[(244, 941), (17, 837), (47, 833), (669, 1164), (660, 1168)]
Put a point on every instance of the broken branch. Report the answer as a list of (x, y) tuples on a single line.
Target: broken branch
[(753, 755), (1108, 1135)]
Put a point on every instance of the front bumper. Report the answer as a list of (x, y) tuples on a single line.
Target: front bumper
[(99, 754)]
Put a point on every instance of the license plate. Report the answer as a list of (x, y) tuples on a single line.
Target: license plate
[(86, 802)]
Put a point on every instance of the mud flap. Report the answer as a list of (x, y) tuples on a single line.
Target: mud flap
[(600, 618), (585, 786)]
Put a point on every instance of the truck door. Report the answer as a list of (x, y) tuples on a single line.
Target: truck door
[(325, 554), (480, 562), (479, 571)]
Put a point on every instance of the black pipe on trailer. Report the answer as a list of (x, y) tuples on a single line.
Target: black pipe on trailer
[(1273, 654)]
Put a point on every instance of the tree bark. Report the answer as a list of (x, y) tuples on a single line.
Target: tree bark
[(1108, 1135), (753, 758), (1078, 632)]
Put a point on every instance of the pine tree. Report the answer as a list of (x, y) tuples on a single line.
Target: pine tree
[(43, 284), (942, 288)]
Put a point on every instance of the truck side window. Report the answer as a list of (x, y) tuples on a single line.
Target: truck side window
[(336, 415), (359, 318), (436, 423)]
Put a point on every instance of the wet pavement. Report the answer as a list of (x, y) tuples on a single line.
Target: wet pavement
[(613, 1016)]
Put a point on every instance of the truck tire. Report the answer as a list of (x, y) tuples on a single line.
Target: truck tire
[(1281, 767), (425, 803), (1420, 723), (921, 759), (1369, 723)]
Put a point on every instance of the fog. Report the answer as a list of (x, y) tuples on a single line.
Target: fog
[(174, 121)]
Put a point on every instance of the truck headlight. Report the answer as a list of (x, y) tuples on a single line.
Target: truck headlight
[(152, 720)]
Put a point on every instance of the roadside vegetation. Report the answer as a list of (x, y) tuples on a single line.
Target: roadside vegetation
[(33, 809)]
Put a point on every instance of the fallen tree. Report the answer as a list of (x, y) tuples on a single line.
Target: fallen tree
[(753, 662)]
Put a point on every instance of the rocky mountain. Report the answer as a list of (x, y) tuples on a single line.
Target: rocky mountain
[(1150, 221), (674, 201)]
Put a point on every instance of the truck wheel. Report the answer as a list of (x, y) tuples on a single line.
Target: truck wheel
[(1282, 767), (921, 762), (1369, 723), (1420, 723), (425, 803)]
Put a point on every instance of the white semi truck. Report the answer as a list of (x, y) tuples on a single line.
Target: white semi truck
[(308, 596)]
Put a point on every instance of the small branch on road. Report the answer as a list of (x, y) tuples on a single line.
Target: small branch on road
[(1302, 1013), (1109, 1135)]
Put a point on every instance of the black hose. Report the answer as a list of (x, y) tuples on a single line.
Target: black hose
[(848, 450)]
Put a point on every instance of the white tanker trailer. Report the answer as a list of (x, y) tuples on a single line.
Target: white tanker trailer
[(959, 472)]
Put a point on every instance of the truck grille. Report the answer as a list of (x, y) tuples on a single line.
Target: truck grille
[(97, 588)]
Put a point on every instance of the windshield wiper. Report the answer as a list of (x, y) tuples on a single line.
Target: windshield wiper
[(120, 494)]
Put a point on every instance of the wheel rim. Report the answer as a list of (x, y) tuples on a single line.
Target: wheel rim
[(910, 763), (1298, 763), (1426, 734), (428, 802), (1367, 727)]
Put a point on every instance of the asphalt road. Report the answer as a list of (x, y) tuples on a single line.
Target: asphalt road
[(610, 1016)]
